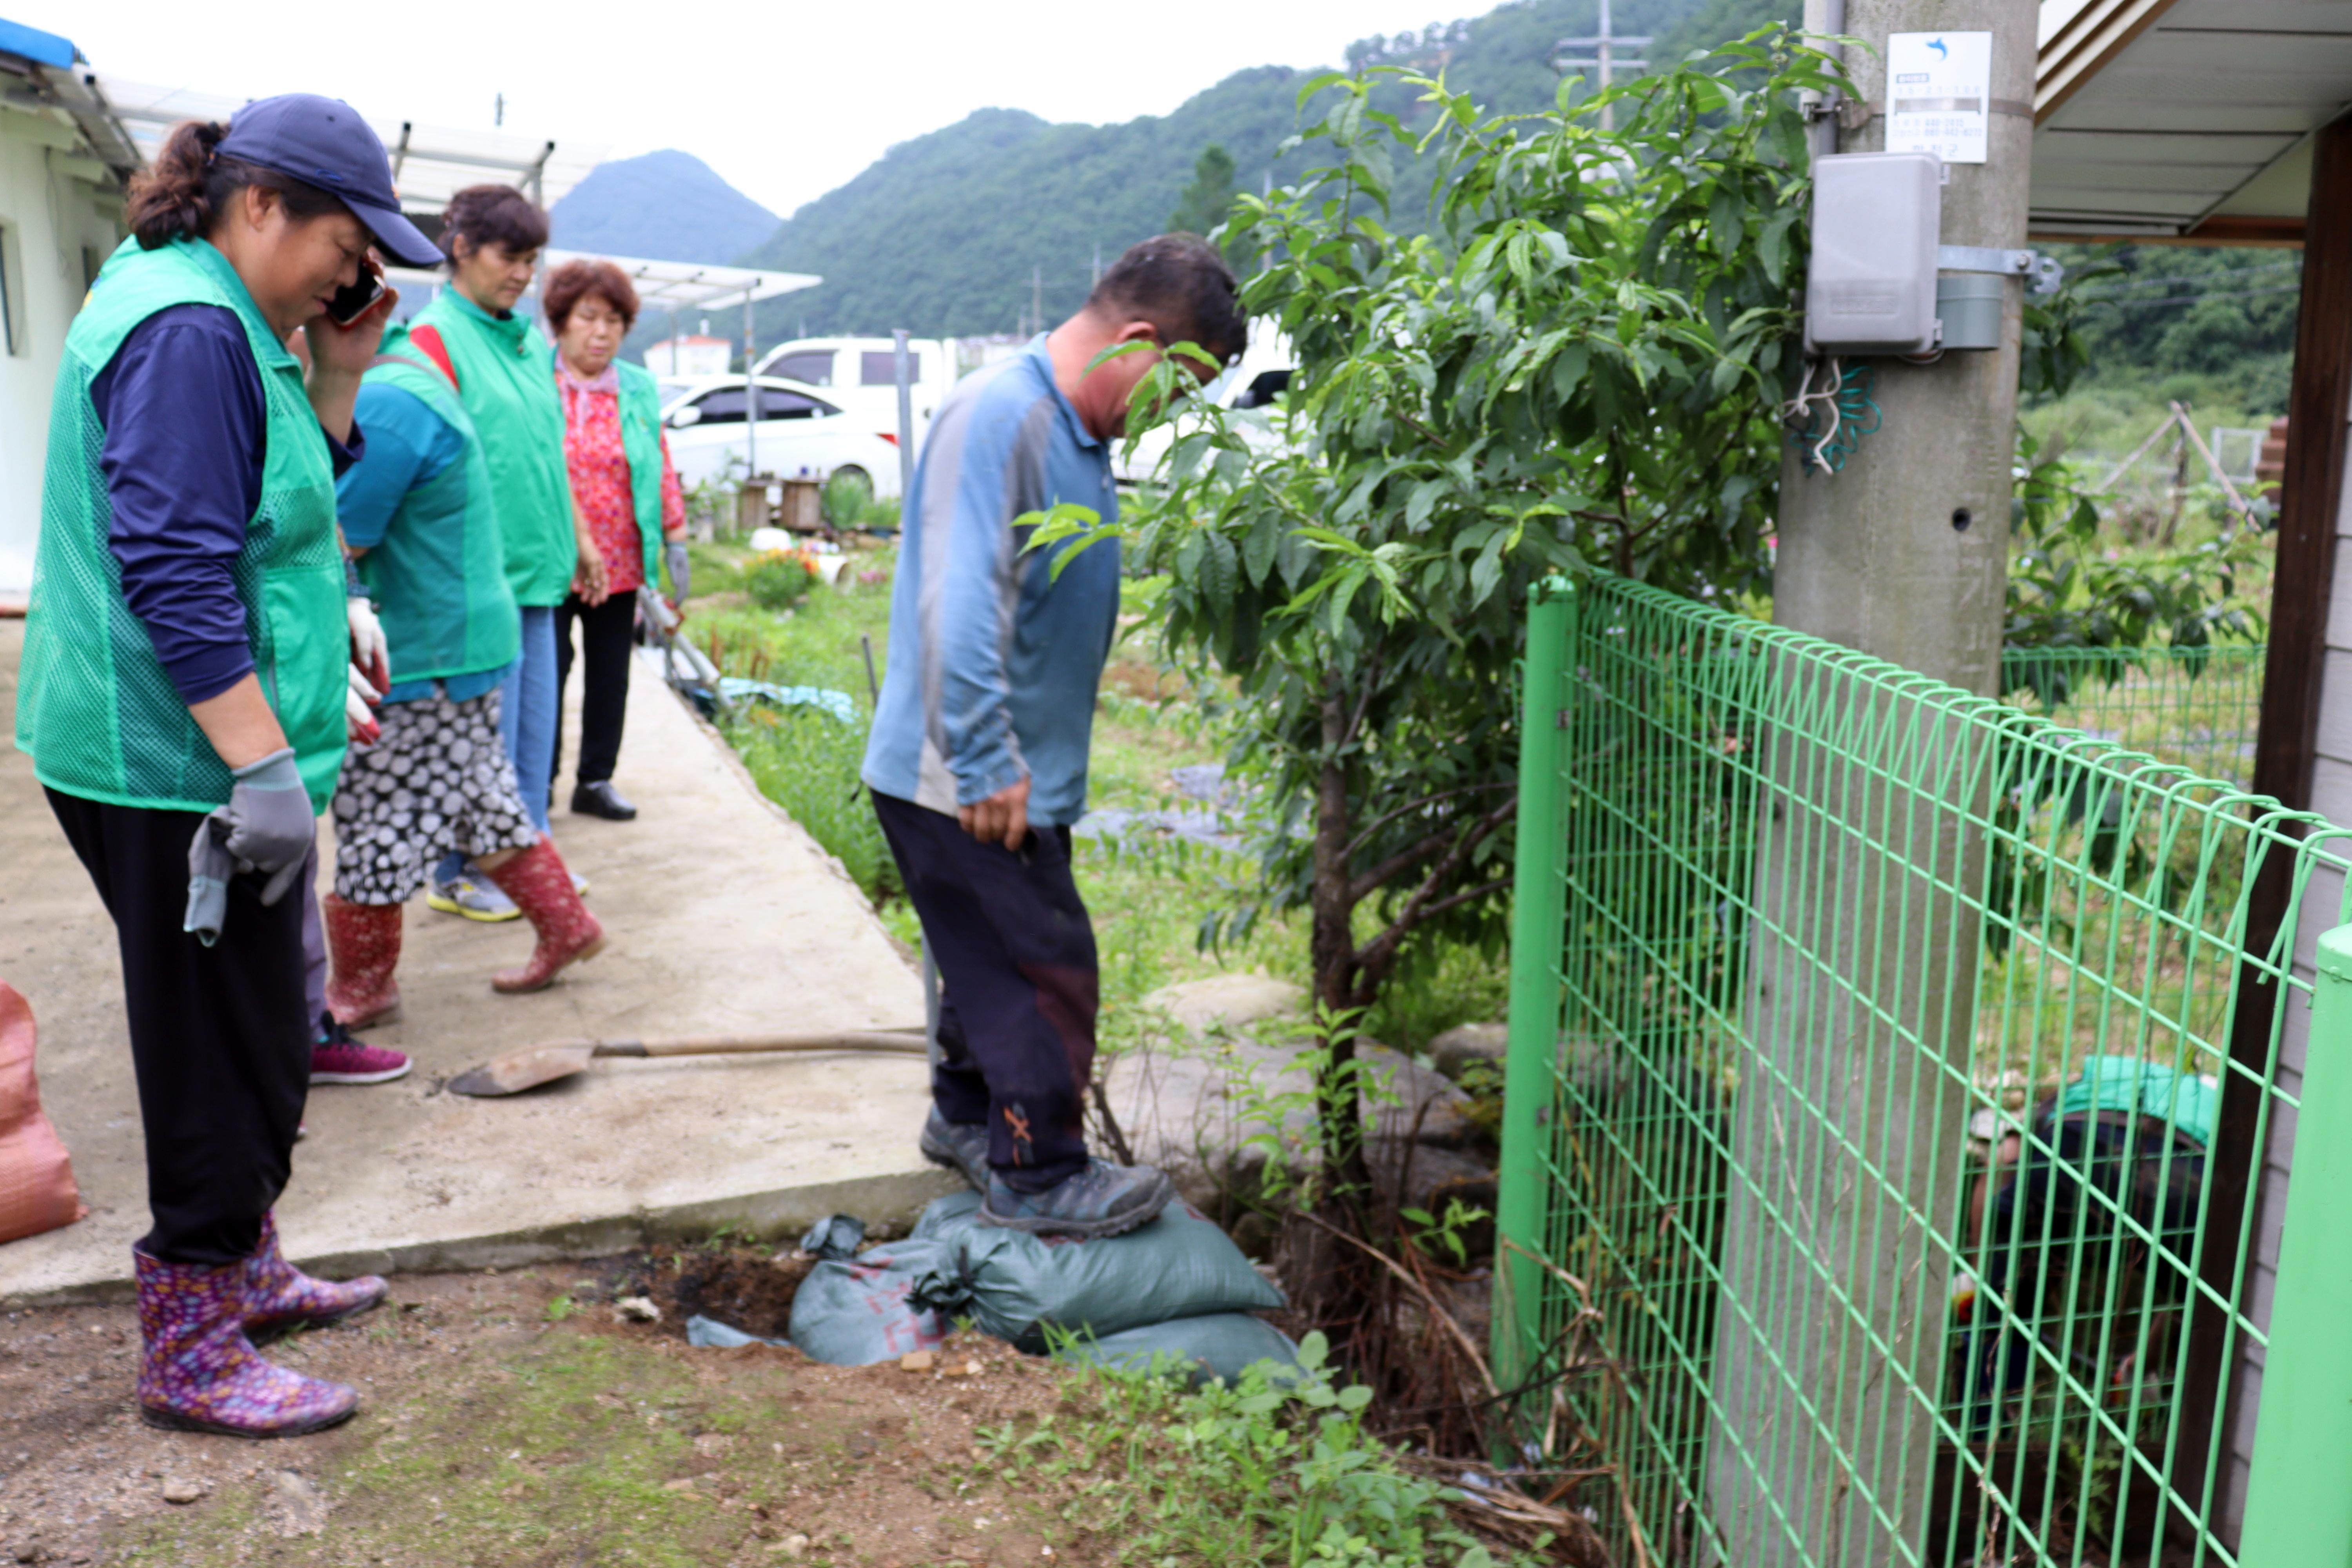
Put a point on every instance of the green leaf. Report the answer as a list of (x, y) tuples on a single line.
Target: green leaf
[(1219, 568), (1258, 547)]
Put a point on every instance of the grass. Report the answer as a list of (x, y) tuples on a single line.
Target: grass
[(1147, 892)]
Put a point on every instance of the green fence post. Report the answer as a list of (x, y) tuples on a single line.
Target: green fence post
[(2298, 1506), (1537, 894)]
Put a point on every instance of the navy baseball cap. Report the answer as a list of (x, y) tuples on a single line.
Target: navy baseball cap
[(324, 141)]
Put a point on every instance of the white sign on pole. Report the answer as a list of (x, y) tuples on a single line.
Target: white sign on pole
[(1939, 88)]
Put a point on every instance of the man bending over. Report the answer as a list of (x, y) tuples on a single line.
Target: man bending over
[(978, 758)]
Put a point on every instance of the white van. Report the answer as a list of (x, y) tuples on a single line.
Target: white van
[(861, 375)]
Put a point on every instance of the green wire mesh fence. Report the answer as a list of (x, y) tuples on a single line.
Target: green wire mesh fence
[(1892, 1072), (2194, 707)]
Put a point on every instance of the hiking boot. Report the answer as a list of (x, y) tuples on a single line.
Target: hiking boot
[(364, 941), (473, 896), (280, 1298), (339, 1058), (959, 1146), (198, 1371), (1102, 1200), (542, 888)]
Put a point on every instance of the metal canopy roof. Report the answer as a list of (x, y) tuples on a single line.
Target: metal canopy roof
[(661, 285), (2183, 118), (429, 164)]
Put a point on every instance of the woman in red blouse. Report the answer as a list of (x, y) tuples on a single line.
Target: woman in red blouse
[(612, 428)]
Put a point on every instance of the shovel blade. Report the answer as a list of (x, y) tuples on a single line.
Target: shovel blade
[(525, 1068)]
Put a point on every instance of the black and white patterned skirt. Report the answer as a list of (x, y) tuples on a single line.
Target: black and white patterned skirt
[(436, 779)]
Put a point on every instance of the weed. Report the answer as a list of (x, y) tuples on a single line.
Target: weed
[(1275, 1469), (561, 1308)]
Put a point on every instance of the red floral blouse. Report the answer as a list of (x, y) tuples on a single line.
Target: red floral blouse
[(600, 475)]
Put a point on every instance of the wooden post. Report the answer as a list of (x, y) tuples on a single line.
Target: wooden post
[(2318, 404)]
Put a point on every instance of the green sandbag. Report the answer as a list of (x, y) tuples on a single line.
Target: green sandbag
[(853, 1311), (1218, 1345), (1178, 1266)]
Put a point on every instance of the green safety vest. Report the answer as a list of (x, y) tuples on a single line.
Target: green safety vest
[(438, 575), (641, 444), (506, 379), (95, 710)]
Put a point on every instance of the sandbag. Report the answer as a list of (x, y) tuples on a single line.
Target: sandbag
[(37, 1184), (1178, 1266), (855, 1311), (1218, 1345)]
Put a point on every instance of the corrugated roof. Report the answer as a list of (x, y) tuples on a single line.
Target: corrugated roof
[(2167, 119)]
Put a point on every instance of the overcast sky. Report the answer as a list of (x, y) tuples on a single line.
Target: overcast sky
[(786, 99)]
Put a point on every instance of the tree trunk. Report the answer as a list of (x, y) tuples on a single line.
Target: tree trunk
[(1331, 951)]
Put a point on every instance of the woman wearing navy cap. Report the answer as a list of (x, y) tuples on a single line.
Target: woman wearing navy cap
[(182, 697)]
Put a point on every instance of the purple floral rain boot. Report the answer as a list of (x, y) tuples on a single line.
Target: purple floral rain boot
[(198, 1373), (280, 1298)]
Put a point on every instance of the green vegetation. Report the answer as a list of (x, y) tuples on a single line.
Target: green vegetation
[(1277, 1469), (778, 580), (1457, 430)]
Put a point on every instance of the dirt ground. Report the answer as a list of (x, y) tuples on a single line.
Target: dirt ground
[(515, 1419)]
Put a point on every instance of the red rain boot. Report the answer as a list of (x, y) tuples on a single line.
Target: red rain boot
[(364, 940), (279, 1297), (541, 888), (198, 1373)]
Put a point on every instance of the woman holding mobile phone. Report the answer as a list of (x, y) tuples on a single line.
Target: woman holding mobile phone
[(184, 691)]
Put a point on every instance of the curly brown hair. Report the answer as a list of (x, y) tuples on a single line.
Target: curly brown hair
[(575, 280)]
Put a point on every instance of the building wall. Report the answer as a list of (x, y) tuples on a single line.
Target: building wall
[(2323, 909), (58, 216)]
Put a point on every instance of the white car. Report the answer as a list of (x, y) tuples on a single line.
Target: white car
[(799, 434), (861, 375)]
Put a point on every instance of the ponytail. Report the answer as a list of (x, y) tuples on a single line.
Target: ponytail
[(171, 199), (191, 185)]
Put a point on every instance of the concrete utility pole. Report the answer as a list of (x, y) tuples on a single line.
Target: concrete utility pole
[(1847, 1129), (1905, 554), (1603, 44)]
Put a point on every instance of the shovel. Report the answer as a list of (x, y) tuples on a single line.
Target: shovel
[(552, 1060)]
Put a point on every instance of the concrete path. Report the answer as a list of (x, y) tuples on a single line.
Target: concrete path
[(722, 917)]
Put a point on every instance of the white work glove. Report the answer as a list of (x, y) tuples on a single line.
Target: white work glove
[(370, 653), (359, 700)]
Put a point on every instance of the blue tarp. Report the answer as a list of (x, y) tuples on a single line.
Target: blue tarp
[(41, 48)]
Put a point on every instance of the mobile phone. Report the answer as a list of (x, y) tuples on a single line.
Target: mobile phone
[(353, 301)]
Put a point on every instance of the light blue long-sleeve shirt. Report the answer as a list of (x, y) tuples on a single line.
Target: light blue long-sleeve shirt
[(993, 661)]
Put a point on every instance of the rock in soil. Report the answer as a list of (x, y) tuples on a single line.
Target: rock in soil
[(1234, 1001), (1463, 1044), (182, 1489)]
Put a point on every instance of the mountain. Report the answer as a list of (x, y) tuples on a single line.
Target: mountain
[(668, 206), (999, 217)]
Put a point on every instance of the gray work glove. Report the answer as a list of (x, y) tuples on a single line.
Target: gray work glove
[(210, 865), (266, 826), (681, 570)]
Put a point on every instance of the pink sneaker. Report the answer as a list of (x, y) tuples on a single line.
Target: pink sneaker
[(339, 1058)]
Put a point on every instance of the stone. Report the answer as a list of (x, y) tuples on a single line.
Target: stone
[(1428, 1108), (962, 1369), (791, 1546), (637, 1310), (299, 1508), (917, 1360), (1232, 1001), (1463, 1044), (182, 1489)]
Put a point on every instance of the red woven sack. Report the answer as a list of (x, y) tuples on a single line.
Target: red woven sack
[(36, 1184)]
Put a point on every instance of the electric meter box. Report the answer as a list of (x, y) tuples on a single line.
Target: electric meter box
[(1870, 287)]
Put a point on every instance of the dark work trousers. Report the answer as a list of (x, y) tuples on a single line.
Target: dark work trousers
[(1019, 987), (218, 1042), (606, 633)]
